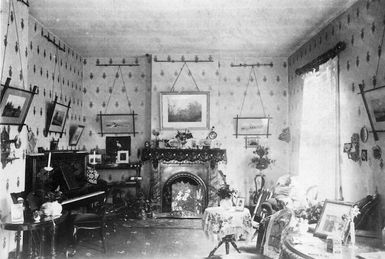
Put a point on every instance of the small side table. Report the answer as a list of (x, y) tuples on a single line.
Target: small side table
[(31, 226), (227, 226)]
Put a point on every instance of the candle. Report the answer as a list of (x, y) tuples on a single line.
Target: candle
[(49, 160), (94, 153)]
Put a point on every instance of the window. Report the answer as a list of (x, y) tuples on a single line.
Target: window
[(319, 133)]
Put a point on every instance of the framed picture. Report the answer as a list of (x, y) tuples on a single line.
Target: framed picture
[(14, 104), (364, 155), (122, 157), (58, 117), (240, 205), (252, 126), (115, 144), (117, 123), (75, 134), (94, 159), (332, 218), (347, 147), (185, 110), (251, 142)]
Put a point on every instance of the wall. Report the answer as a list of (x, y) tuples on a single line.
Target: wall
[(110, 90), (227, 86), (56, 73), (12, 175), (361, 27)]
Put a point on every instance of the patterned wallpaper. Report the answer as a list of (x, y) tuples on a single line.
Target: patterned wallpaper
[(227, 86), (56, 73), (112, 90), (361, 27), (15, 66)]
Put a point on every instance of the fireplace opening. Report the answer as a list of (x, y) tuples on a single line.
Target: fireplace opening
[(184, 194)]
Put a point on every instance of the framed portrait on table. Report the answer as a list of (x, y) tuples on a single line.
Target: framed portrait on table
[(240, 205), (332, 220), (182, 110)]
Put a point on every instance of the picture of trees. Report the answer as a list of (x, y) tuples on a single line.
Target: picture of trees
[(14, 106), (179, 111)]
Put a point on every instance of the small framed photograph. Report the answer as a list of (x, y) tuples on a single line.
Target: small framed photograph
[(364, 155), (332, 220), (347, 147), (240, 204), (251, 142), (75, 134), (122, 157), (94, 159)]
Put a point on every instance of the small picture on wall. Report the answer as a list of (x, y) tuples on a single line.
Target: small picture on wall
[(251, 142), (347, 147), (122, 157), (115, 144), (364, 155)]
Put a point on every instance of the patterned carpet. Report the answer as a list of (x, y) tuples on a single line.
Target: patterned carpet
[(159, 239)]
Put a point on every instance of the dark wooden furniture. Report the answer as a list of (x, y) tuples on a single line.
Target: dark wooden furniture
[(95, 220), (36, 230)]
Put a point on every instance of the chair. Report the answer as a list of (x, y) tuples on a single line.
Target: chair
[(93, 221), (259, 215)]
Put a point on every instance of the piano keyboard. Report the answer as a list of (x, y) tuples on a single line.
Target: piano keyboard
[(79, 198)]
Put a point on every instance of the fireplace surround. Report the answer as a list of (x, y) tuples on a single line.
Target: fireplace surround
[(194, 168)]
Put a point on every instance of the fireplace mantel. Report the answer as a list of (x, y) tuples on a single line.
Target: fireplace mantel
[(213, 156)]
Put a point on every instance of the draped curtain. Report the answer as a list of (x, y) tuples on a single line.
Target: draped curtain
[(319, 131)]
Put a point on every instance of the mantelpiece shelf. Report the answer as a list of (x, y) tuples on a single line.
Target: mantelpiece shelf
[(133, 165), (213, 156)]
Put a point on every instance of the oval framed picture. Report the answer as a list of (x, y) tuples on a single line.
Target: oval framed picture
[(364, 134)]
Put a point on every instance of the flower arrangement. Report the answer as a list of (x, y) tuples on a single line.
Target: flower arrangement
[(225, 192), (183, 135), (261, 160), (311, 213)]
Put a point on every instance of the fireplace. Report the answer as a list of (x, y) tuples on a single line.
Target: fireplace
[(184, 182)]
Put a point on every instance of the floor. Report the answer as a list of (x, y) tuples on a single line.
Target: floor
[(160, 239)]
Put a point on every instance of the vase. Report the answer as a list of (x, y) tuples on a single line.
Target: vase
[(226, 203)]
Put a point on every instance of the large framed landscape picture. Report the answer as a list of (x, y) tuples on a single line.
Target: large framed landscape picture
[(185, 110)]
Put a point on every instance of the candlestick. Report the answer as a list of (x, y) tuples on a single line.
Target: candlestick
[(49, 160)]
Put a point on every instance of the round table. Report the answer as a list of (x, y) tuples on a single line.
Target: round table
[(226, 225), (297, 245), (31, 226)]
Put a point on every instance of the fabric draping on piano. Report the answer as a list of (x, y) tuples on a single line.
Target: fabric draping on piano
[(218, 222)]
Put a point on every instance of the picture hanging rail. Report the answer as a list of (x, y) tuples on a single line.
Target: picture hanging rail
[(53, 41), (252, 126), (183, 60), (26, 2), (252, 65), (57, 117), (117, 123), (374, 106), (111, 64), (14, 104)]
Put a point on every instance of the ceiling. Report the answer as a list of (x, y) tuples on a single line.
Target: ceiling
[(109, 28)]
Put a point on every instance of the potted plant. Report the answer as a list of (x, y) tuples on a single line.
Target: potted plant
[(260, 161), (225, 194)]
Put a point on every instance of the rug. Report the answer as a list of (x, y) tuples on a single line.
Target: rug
[(164, 223)]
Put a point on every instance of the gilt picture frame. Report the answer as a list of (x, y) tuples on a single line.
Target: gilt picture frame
[(185, 110), (332, 217), (14, 104)]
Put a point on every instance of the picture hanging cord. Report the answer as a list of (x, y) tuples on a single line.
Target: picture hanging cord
[(113, 86), (252, 70), (17, 42), (180, 71)]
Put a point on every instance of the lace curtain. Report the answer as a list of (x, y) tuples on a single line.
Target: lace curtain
[(319, 131)]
